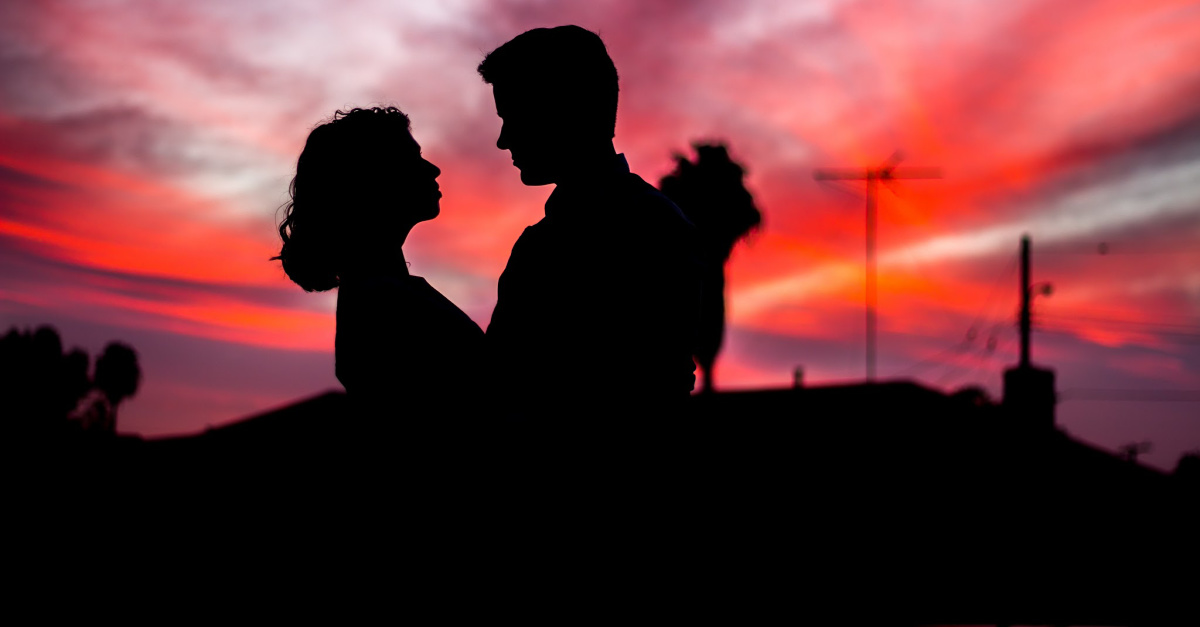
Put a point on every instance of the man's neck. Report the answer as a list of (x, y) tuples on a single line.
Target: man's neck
[(587, 165)]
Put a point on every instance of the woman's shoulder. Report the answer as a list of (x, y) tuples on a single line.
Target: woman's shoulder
[(404, 300), (377, 292), (400, 331), (440, 306)]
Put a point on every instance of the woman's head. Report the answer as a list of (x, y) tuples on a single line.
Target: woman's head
[(361, 184)]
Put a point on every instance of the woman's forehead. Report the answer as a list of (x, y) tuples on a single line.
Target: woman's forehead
[(408, 142)]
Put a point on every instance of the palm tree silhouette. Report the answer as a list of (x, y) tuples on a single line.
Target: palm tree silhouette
[(711, 192), (117, 377)]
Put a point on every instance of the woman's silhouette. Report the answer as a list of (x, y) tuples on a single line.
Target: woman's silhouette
[(361, 185)]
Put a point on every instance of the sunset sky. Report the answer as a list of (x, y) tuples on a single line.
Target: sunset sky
[(146, 147)]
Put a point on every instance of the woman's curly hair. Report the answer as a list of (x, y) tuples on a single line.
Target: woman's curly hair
[(336, 188)]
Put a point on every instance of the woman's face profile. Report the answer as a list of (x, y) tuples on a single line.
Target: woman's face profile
[(419, 193)]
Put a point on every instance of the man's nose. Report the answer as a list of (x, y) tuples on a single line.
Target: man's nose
[(502, 141)]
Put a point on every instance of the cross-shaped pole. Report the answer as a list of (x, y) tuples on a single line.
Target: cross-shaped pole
[(885, 173)]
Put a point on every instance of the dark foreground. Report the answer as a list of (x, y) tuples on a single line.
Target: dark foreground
[(890, 503)]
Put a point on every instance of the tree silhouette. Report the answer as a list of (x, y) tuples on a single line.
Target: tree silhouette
[(711, 192), (39, 384), (117, 378), (45, 392)]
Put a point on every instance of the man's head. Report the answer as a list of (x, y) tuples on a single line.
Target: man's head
[(556, 92)]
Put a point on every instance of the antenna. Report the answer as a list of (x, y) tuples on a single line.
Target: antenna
[(886, 173)]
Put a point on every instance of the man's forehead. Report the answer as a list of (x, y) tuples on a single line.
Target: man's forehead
[(516, 99)]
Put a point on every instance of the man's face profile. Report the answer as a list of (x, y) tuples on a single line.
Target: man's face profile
[(532, 133)]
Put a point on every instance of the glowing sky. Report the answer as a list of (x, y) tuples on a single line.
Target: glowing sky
[(145, 148)]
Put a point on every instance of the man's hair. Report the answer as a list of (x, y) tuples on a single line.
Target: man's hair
[(565, 66)]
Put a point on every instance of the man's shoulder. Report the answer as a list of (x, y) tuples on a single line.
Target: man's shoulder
[(533, 235), (535, 243), (658, 216), (638, 187)]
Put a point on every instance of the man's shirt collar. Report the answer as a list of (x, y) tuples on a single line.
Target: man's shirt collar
[(568, 194)]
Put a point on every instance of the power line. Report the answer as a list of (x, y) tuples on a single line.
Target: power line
[(1119, 248), (985, 358), (1133, 395), (1180, 338), (1009, 269), (973, 330), (981, 358), (954, 371), (935, 360), (1119, 321)]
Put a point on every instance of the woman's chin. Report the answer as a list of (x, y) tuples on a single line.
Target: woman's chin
[(431, 211)]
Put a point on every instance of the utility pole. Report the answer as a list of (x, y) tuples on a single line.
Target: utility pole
[(885, 173), (1026, 317), (1029, 392)]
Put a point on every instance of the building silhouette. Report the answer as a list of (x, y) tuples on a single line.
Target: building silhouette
[(941, 508)]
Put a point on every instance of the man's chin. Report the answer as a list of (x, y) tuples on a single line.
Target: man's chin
[(534, 178)]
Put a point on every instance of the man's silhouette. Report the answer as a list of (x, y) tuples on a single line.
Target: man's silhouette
[(598, 304)]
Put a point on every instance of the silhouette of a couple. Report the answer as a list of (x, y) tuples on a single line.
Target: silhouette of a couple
[(597, 308)]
